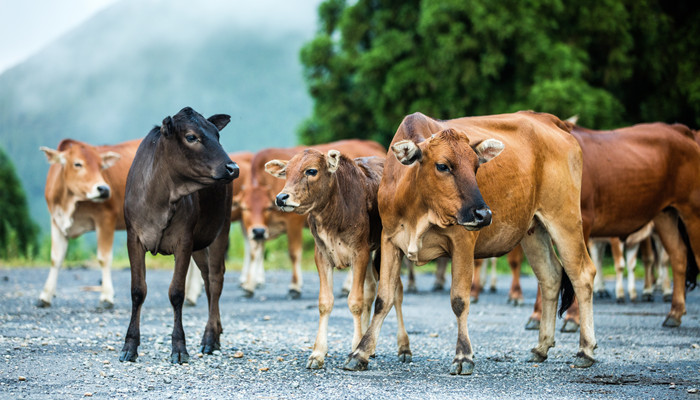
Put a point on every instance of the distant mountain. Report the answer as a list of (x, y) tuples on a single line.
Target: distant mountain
[(120, 73)]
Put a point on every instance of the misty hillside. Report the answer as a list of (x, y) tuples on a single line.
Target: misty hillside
[(120, 73)]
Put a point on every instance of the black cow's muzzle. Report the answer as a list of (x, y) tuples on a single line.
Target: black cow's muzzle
[(475, 218)]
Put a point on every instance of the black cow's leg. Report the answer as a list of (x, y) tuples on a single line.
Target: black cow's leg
[(217, 254), (137, 254), (176, 293)]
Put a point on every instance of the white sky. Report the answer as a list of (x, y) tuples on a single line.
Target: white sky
[(26, 26)]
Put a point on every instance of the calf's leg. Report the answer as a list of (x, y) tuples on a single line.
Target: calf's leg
[(325, 306), (59, 246)]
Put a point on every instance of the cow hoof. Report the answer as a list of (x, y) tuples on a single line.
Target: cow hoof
[(492, 289), (294, 294), (42, 304), (314, 363), (603, 294), (473, 300), (583, 361), (344, 292), (128, 355), (668, 298), (462, 366), (105, 305), (570, 326), (406, 356), (248, 294), (536, 357), (190, 303), (355, 364), (209, 348), (516, 302), (179, 358), (672, 322), (620, 300), (438, 287), (649, 298), (411, 289), (532, 324)]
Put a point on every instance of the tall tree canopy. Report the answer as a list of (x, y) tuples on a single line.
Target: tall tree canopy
[(613, 62), (18, 232)]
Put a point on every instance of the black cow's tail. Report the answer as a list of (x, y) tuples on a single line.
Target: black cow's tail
[(691, 269), (567, 293)]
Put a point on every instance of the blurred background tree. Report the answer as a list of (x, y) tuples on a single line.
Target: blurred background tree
[(613, 62), (18, 233)]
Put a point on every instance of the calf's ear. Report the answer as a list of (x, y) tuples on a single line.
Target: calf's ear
[(488, 150), (54, 156), (276, 168), (109, 158), (220, 120), (332, 159), (407, 152), (167, 128)]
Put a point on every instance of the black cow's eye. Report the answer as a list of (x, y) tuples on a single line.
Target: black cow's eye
[(442, 167), (191, 138), (311, 172)]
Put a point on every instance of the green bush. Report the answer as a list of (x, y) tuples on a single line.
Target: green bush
[(18, 232)]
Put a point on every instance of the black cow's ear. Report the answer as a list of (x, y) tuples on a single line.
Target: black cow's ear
[(167, 128), (220, 120)]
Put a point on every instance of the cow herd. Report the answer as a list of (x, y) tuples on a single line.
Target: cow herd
[(463, 190)]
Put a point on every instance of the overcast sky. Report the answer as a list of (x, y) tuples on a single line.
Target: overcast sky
[(26, 26)]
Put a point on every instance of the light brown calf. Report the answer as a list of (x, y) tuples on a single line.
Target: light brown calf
[(431, 205)]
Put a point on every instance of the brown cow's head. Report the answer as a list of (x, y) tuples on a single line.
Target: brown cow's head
[(309, 176), (256, 206), (81, 169), (193, 149), (447, 165)]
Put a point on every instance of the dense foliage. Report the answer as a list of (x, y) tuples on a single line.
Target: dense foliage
[(18, 233), (613, 62)]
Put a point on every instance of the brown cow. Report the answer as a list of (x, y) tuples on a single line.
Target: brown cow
[(515, 260), (431, 205), (264, 221), (85, 192), (340, 197), (178, 201), (638, 174)]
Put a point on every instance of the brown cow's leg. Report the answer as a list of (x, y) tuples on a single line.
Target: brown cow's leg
[(295, 248), (411, 268), (596, 249), (389, 280), (356, 298), (404, 348), (105, 238), (137, 258), (476, 280), (533, 323), (59, 246), (325, 306), (256, 268), (515, 261), (462, 275), (370, 293), (439, 284), (617, 249), (666, 225), (649, 262)]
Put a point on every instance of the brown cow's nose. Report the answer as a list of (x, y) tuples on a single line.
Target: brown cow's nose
[(482, 216), (258, 233), (281, 199), (103, 191)]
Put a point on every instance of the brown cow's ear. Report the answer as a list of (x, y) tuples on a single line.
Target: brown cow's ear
[(109, 158), (276, 168), (407, 152), (332, 159), (488, 149), (54, 156), (220, 120), (167, 128)]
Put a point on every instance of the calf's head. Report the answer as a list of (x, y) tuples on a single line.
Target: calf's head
[(309, 176), (81, 169), (256, 206), (446, 176), (192, 150)]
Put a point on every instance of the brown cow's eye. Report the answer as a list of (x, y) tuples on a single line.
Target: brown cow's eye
[(78, 165), (442, 167), (311, 172)]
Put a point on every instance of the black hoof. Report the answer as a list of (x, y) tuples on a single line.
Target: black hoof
[(344, 293), (603, 294), (516, 302), (42, 304), (620, 300), (536, 357), (411, 289), (648, 298), (248, 293), (294, 294), (668, 298), (209, 348), (314, 363), (462, 366), (105, 305), (406, 356), (570, 326), (473, 300), (492, 289), (190, 303), (128, 355), (179, 358), (672, 322), (355, 364), (583, 361), (437, 287), (532, 325)]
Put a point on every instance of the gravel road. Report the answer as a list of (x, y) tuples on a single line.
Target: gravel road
[(71, 350)]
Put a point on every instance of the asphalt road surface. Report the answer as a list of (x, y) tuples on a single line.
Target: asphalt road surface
[(72, 349)]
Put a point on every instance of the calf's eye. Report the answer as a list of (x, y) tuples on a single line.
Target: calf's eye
[(77, 165), (442, 167), (311, 172), (191, 138)]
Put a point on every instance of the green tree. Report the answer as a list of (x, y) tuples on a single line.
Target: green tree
[(18, 233), (613, 62)]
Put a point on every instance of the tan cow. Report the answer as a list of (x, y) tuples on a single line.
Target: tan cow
[(431, 205), (264, 221), (340, 197), (85, 192)]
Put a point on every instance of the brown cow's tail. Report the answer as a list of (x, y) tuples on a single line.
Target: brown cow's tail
[(567, 293), (691, 269)]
